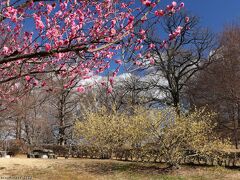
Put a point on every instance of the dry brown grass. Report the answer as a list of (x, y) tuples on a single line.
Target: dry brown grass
[(85, 169)]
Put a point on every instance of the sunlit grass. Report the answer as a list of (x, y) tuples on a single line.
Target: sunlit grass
[(71, 169)]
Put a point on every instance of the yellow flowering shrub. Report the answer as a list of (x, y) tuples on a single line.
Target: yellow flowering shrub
[(157, 133)]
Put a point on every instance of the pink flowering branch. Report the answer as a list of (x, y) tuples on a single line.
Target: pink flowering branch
[(78, 37)]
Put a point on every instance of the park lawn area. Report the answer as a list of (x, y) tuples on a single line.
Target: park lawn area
[(71, 169)]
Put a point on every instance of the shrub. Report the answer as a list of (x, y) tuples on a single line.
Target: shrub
[(151, 134)]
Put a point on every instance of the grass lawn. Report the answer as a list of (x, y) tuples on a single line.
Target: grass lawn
[(85, 169)]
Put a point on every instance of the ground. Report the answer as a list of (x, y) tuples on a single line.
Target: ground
[(86, 169)]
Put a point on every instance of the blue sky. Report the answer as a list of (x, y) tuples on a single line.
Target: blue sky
[(215, 14)]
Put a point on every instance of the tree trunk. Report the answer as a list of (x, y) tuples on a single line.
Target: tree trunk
[(235, 127), (18, 129), (176, 103)]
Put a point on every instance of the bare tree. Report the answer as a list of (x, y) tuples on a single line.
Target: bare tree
[(128, 91), (217, 87), (24, 121), (177, 60), (63, 104)]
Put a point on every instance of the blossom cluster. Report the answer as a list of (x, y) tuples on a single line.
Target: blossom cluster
[(78, 39)]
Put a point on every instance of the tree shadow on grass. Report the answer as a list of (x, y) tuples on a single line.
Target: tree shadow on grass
[(111, 168), (192, 165), (233, 167)]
